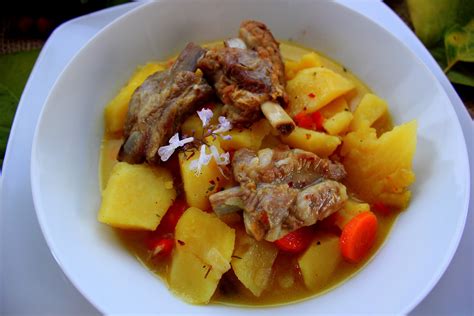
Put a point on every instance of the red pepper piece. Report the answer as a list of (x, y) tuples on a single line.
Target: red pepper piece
[(318, 120), (172, 216), (160, 246), (296, 241), (304, 120), (381, 208)]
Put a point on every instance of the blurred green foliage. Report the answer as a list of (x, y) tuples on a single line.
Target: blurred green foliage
[(14, 70), (446, 27)]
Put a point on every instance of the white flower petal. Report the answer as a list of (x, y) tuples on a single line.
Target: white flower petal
[(203, 160), (174, 139), (221, 159), (226, 137), (224, 125), (165, 152), (205, 115), (185, 141)]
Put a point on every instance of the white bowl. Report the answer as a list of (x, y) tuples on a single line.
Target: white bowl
[(64, 162)]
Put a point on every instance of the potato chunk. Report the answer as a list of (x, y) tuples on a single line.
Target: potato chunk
[(116, 110), (336, 106), (321, 144), (351, 209), (207, 237), (198, 187), (192, 126), (380, 169), (247, 138), (313, 88), (204, 246), (370, 109), (136, 196), (320, 260), (252, 262), (339, 123), (191, 278), (309, 60)]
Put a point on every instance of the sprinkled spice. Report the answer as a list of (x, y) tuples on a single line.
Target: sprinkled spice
[(311, 95), (207, 272), (182, 243)]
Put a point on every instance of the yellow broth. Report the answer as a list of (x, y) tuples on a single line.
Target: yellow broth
[(281, 289)]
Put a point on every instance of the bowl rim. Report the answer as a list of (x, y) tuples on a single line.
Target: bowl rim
[(35, 183)]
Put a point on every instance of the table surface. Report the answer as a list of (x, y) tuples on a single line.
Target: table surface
[(31, 282)]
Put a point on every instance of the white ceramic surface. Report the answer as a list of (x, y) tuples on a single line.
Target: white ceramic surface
[(65, 154)]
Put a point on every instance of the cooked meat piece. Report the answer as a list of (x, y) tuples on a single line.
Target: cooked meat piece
[(326, 197), (281, 190), (266, 210), (273, 210), (246, 78), (258, 37), (243, 81), (235, 43), (296, 167), (160, 104)]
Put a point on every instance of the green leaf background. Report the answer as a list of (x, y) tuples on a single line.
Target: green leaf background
[(447, 28), (14, 70)]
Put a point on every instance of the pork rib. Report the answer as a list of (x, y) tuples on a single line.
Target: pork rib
[(160, 104), (281, 190)]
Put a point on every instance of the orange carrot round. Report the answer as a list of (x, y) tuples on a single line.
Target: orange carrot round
[(358, 237)]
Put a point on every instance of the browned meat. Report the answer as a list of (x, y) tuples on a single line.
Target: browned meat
[(160, 104), (246, 78), (258, 37), (281, 190), (296, 167), (243, 81), (273, 210)]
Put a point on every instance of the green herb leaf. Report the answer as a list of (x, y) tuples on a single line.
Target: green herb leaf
[(14, 70), (431, 18), (459, 44), (462, 74)]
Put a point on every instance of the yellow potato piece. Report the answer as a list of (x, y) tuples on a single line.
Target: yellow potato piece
[(191, 278), (320, 260), (136, 196), (380, 169), (326, 85), (252, 262), (307, 61), (248, 137), (204, 246), (192, 126), (336, 106), (207, 237), (198, 187), (108, 159), (350, 209), (370, 109), (339, 123), (321, 144), (116, 110)]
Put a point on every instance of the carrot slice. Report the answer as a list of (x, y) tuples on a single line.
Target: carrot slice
[(358, 237)]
